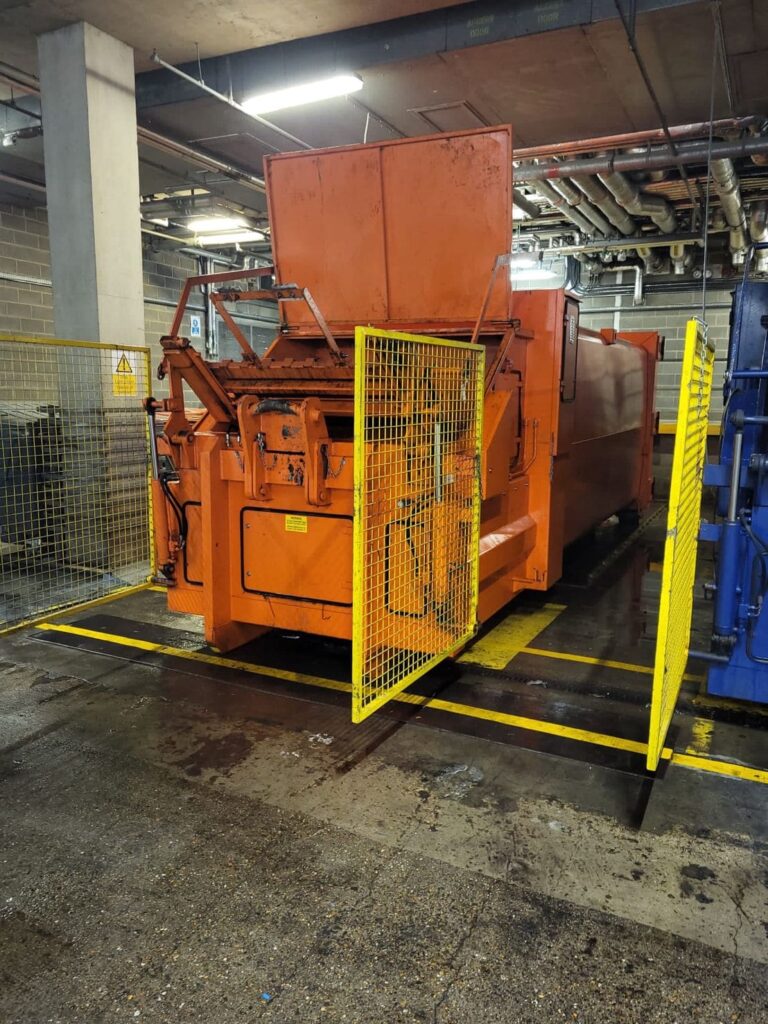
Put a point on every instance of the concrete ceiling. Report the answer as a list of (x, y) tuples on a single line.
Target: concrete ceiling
[(176, 26), (553, 86)]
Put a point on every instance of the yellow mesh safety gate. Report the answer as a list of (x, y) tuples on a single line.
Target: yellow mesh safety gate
[(679, 569), (74, 487), (418, 426)]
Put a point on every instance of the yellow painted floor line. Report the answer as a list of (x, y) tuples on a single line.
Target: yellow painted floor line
[(586, 659), (200, 656), (701, 737), (716, 767), (686, 760), (499, 646)]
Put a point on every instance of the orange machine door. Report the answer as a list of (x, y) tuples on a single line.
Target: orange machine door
[(418, 423)]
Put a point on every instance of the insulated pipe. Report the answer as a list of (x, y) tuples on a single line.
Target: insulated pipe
[(554, 198), (641, 204), (574, 197), (645, 160), (727, 185), (758, 230), (522, 203), (604, 201)]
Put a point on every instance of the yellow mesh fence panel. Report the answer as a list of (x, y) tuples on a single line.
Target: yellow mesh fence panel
[(678, 573), (418, 425), (74, 496)]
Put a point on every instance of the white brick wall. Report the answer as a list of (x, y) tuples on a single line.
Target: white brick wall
[(27, 309)]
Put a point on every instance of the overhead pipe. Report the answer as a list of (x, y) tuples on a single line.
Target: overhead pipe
[(645, 160), (727, 185), (522, 203), (699, 130), (199, 157), (608, 245), (22, 182), (546, 191), (640, 203), (574, 197), (758, 230), (637, 291), (604, 201), (27, 83)]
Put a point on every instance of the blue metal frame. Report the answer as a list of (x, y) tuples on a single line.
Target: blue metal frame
[(740, 624)]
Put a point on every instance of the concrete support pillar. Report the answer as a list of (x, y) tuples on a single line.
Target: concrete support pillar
[(92, 177)]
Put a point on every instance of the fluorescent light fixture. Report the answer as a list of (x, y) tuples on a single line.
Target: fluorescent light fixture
[(216, 223), (535, 274), (522, 261), (519, 214), (232, 237), (298, 95)]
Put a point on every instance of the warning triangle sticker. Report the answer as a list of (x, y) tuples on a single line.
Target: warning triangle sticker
[(123, 365)]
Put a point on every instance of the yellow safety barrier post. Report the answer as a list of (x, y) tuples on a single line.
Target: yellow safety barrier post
[(418, 433), (679, 567), (74, 493)]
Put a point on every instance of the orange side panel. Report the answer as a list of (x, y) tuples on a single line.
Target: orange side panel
[(297, 555)]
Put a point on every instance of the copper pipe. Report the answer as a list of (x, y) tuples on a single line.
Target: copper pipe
[(680, 131)]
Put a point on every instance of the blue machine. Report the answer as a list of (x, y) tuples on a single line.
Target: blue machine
[(738, 664)]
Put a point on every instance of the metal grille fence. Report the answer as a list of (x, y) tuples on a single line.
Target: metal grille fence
[(678, 573), (418, 424), (74, 498)]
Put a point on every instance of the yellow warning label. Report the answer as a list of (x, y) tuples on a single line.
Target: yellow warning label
[(123, 373), (296, 524)]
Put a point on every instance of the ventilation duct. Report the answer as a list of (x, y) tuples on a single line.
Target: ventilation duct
[(554, 198), (640, 203), (574, 197), (727, 185), (605, 202)]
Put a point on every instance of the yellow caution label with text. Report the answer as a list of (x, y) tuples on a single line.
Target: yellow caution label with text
[(296, 524), (124, 373)]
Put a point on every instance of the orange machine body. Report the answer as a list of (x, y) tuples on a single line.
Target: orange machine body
[(254, 523)]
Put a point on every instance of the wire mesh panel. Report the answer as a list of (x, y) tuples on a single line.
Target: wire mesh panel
[(678, 573), (74, 517), (418, 423)]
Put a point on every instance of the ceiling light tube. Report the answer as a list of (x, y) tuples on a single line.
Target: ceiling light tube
[(232, 237), (216, 223), (299, 95)]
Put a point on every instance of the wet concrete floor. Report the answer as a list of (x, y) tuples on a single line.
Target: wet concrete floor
[(187, 842)]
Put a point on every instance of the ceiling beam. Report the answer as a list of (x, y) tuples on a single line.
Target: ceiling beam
[(409, 38)]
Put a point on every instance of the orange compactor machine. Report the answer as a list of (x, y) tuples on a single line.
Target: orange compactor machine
[(418, 444)]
